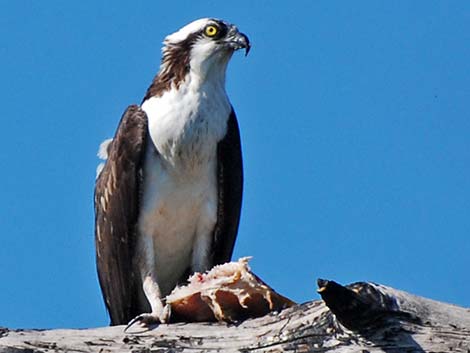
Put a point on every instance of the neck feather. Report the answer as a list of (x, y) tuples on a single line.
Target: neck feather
[(177, 65), (173, 70)]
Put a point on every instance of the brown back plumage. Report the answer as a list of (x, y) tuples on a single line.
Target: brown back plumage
[(116, 212)]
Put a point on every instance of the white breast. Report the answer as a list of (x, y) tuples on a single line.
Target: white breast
[(189, 120), (180, 193)]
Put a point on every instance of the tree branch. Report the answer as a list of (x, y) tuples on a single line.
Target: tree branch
[(362, 317)]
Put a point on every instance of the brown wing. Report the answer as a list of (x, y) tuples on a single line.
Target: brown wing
[(230, 189), (116, 211)]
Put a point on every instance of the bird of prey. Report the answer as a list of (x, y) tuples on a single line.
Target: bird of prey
[(168, 198)]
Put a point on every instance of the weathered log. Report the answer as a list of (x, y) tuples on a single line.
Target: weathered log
[(362, 317)]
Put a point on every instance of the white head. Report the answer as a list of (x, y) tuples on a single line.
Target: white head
[(206, 42), (202, 48)]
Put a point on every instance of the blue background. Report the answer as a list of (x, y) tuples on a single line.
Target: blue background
[(355, 128)]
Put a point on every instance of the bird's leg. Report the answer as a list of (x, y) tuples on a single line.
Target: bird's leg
[(160, 313), (201, 260)]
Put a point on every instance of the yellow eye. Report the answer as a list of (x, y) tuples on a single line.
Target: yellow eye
[(211, 31)]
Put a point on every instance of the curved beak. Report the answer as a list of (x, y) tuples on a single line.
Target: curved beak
[(237, 40)]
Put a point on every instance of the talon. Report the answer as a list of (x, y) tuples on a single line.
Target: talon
[(144, 320)]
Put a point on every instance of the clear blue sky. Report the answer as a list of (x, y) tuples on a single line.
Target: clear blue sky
[(355, 120)]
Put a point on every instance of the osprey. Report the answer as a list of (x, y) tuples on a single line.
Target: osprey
[(168, 198)]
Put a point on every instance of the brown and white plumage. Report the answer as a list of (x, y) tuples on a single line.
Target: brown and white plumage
[(168, 199)]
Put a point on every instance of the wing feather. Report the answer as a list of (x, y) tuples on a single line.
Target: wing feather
[(230, 189), (117, 196)]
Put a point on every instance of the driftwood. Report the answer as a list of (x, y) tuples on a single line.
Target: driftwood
[(361, 317)]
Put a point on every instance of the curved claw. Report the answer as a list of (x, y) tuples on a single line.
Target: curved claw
[(144, 320)]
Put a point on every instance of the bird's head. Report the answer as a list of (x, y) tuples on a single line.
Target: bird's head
[(204, 46)]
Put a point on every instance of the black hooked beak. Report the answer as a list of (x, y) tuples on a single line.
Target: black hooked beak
[(238, 40)]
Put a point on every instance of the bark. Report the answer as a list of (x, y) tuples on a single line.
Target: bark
[(362, 317)]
